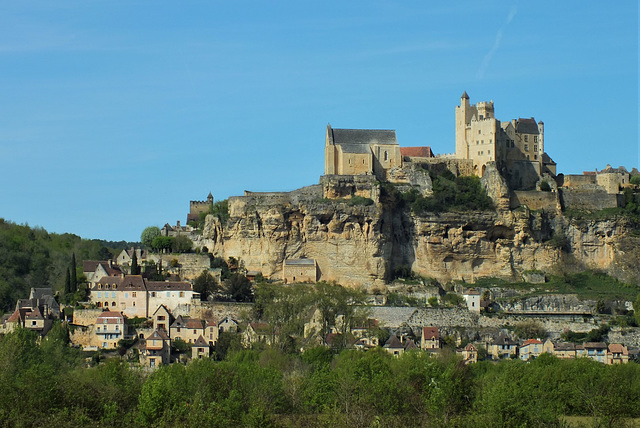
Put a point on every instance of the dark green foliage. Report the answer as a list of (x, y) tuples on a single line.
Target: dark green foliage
[(32, 257), (530, 330), (359, 200), (219, 263), (238, 287), (135, 267), (180, 345), (560, 241), (74, 273), (450, 193), (545, 187), (162, 243), (181, 244), (317, 388), (453, 299), (206, 285), (635, 180), (67, 283)]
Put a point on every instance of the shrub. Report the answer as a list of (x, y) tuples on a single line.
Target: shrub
[(359, 200)]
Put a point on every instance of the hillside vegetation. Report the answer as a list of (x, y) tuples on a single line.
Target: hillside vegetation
[(265, 387), (33, 257)]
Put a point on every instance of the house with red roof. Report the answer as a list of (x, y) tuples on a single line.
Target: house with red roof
[(530, 349), (109, 329), (430, 338)]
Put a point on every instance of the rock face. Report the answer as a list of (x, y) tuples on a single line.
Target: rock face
[(361, 245)]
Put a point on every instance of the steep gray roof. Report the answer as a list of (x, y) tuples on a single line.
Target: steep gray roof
[(527, 126), (300, 262), (363, 136), (356, 148)]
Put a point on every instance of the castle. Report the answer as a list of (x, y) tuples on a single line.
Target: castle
[(197, 207), (516, 148)]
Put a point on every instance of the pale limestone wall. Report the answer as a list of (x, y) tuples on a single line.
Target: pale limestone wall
[(85, 317), (612, 181), (347, 186), (535, 200), (217, 311), (579, 180), (385, 157), (190, 265)]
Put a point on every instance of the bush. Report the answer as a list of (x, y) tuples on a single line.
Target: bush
[(450, 193), (544, 186), (559, 241), (359, 200)]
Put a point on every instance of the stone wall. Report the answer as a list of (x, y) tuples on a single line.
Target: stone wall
[(347, 186), (218, 310), (189, 266), (535, 200), (438, 165), (592, 200), (85, 317)]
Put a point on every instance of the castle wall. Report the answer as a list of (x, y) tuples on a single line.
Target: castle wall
[(580, 180), (438, 165), (354, 163), (611, 182), (535, 200), (347, 186), (592, 200)]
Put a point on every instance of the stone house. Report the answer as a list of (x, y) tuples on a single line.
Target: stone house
[(157, 349), (396, 347), (596, 351), (618, 354), (299, 270), (125, 257), (469, 354), (94, 270), (162, 319), (136, 297), (257, 332), (211, 332), (186, 329), (472, 299), (530, 349), (228, 325), (430, 338), (200, 349), (502, 347), (109, 329)]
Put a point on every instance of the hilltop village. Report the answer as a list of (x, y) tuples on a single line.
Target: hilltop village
[(476, 280)]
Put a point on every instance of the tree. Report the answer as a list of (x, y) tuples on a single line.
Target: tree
[(162, 243), (206, 285), (636, 309), (135, 267), (181, 244), (74, 277), (148, 235), (238, 287), (67, 283), (219, 263)]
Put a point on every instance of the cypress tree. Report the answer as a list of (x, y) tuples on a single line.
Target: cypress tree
[(135, 269), (74, 278)]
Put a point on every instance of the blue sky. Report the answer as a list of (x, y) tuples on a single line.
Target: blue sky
[(113, 115)]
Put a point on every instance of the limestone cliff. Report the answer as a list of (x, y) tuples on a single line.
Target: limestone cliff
[(357, 244)]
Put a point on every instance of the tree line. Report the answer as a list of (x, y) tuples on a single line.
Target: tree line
[(52, 383)]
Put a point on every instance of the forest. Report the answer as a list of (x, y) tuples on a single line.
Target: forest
[(33, 257), (54, 384)]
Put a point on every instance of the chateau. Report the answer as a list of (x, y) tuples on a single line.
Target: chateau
[(516, 147)]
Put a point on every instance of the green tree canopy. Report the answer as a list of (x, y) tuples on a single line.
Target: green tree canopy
[(238, 287), (206, 285), (181, 244), (148, 235)]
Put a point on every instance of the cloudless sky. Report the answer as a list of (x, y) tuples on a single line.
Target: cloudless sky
[(115, 114)]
